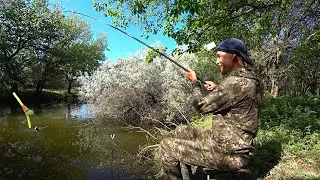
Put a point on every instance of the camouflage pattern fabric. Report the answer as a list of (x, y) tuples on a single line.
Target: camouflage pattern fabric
[(235, 104)]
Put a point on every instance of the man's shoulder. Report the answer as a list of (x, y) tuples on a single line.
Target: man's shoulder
[(240, 81), (241, 75), (242, 72)]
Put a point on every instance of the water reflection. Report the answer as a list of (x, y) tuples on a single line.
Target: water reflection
[(65, 147), (83, 111)]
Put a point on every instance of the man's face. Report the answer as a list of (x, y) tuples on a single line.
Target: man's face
[(224, 61)]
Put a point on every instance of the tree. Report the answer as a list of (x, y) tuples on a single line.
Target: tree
[(24, 26), (52, 51), (134, 91), (306, 65), (38, 44), (82, 57)]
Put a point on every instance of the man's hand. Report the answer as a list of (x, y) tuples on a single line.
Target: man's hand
[(191, 75), (210, 85)]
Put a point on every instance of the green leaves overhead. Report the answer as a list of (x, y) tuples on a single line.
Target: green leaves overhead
[(151, 54), (205, 21)]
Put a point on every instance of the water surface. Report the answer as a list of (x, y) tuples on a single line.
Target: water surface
[(69, 145)]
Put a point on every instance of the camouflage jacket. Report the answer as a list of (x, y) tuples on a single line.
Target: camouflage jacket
[(235, 104)]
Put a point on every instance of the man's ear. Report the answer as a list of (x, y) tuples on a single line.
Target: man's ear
[(234, 58), (239, 60)]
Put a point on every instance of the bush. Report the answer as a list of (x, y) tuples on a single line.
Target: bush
[(132, 91), (300, 113)]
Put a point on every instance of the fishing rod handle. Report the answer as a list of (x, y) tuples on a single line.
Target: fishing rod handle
[(201, 80), (198, 78)]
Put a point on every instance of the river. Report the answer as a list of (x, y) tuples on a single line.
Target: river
[(68, 145)]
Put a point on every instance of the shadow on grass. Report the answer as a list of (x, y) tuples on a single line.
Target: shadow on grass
[(266, 155)]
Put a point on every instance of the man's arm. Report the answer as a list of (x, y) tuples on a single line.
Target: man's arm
[(219, 99)]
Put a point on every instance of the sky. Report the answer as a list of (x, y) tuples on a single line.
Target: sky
[(119, 45)]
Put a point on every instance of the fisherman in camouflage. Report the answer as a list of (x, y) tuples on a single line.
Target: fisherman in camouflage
[(235, 105)]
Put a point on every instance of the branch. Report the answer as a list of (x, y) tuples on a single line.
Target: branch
[(233, 17), (182, 114), (17, 50), (145, 149), (141, 130), (262, 6)]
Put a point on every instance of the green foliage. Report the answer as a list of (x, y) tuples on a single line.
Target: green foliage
[(202, 21), (306, 147), (202, 121), (306, 66), (299, 113), (81, 55), (151, 54), (25, 27), (280, 152), (289, 128), (207, 67)]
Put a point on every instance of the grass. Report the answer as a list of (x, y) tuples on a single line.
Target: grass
[(282, 153)]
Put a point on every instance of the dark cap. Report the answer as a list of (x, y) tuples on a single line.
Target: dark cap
[(235, 46)]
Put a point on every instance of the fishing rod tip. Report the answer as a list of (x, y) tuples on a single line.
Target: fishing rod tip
[(210, 46)]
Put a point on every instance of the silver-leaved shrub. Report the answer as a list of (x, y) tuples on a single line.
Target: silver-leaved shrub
[(133, 91)]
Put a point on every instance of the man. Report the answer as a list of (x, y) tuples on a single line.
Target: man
[(234, 103)]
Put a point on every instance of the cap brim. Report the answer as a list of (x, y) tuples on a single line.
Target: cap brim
[(246, 58)]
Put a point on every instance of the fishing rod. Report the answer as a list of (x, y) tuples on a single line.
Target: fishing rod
[(154, 49)]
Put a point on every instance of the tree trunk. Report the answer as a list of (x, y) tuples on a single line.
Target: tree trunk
[(69, 86), (274, 87), (14, 87), (38, 94), (39, 87), (275, 69)]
